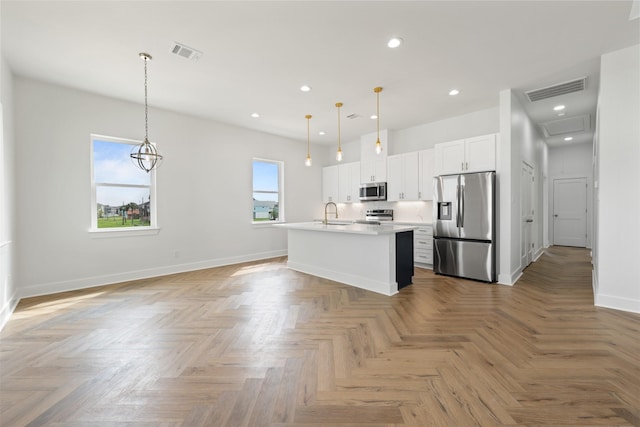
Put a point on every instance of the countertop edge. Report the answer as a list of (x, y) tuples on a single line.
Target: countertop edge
[(371, 230)]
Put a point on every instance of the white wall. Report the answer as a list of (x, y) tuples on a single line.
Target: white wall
[(572, 161), (617, 268), (425, 136), (203, 191), (543, 232), (8, 297), (519, 141)]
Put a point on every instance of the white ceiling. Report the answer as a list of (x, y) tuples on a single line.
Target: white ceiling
[(258, 54)]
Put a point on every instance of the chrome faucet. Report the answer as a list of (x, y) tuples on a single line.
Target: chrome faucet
[(325, 211)]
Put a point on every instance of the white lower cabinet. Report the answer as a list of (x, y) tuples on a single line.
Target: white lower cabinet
[(423, 246)]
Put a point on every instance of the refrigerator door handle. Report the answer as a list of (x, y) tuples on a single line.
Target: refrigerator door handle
[(458, 205), (461, 204)]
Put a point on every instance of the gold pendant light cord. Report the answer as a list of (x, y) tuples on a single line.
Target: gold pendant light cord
[(339, 104), (308, 117), (378, 113), (377, 90)]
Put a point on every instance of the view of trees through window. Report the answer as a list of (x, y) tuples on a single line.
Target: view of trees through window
[(266, 190), (122, 190)]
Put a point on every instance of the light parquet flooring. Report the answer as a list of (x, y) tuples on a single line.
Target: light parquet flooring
[(257, 344)]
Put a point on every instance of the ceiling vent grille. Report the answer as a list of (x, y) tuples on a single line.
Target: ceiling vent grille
[(569, 125), (185, 51), (354, 116), (557, 90)]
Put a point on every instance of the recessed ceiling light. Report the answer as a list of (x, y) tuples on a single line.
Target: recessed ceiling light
[(321, 132), (373, 117), (454, 92), (569, 138), (305, 88), (558, 108), (394, 42), (255, 115)]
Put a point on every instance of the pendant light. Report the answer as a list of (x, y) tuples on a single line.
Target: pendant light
[(307, 162), (146, 155), (339, 152), (377, 90)]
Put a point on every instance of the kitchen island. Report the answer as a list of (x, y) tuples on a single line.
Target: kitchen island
[(377, 258)]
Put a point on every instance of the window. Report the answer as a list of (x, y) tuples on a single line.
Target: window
[(123, 195), (267, 191)]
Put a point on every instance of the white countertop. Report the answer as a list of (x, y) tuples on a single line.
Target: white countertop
[(337, 227)]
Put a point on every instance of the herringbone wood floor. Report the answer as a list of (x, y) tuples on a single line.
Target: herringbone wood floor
[(259, 345)]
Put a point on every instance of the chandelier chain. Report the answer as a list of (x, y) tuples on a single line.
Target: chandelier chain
[(146, 108)]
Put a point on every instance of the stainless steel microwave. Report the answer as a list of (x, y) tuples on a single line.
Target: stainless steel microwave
[(373, 191)]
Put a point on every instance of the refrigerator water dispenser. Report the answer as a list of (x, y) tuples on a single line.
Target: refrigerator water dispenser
[(444, 211)]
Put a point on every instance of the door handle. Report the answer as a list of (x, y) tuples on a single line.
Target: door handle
[(556, 215), (529, 220), (461, 206), (458, 207)]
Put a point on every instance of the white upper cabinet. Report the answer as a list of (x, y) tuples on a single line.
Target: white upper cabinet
[(373, 166), (480, 153), (374, 170), (394, 182), (402, 177), (449, 157), (426, 171), (466, 155), (330, 186), (340, 183), (349, 182)]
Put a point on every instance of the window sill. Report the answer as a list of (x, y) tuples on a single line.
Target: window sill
[(99, 233), (261, 224)]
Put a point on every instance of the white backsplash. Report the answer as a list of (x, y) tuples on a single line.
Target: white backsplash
[(402, 211)]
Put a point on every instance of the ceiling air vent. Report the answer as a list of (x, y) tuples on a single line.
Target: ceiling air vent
[(556, 90), (353, 116), (185, 51), (569, 125)]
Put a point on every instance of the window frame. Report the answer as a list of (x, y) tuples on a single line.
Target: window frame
[(153, 227), (280, 192)]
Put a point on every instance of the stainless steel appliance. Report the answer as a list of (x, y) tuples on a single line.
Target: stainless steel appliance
[(464, 231), (373, 191), (378, 215)]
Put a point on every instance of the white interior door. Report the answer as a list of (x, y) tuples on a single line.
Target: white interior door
[(527, 214), (570, 212)]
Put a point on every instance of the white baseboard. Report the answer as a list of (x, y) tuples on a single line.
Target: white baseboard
[(90, 282), (617, 303), (361, 282), (509, 279), (538, 254), (7, 311)]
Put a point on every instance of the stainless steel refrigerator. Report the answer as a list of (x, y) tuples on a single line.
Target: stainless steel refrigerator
[(464, 231)]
